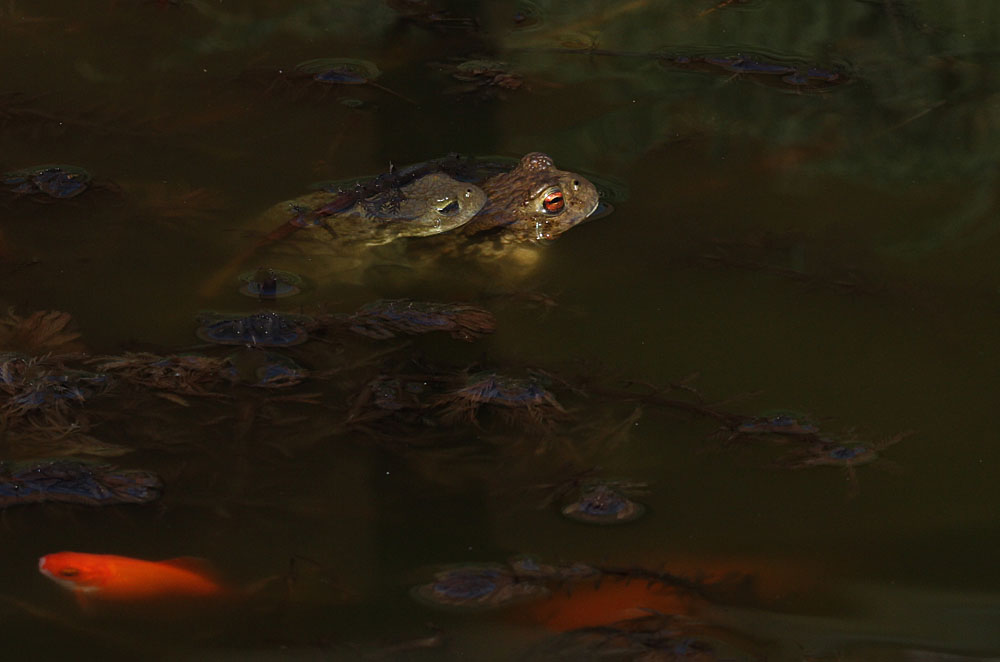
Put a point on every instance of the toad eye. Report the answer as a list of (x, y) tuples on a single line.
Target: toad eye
[(553, 201), (69, 572)]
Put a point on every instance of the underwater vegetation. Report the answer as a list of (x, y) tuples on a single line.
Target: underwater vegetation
[(265, 329), (53, 181), (513, 398), (263, 369), (845, 453), (477, 587), (188, 374), (75, 481), (43, 385), (601, 503), (44, 331), (388, 318)]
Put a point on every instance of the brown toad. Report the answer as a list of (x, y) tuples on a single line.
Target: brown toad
[(534, 201), (531, 202)]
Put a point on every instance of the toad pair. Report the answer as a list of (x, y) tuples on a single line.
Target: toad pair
[(533, 201)]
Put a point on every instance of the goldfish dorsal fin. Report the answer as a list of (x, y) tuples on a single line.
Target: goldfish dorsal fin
[(192, 564)]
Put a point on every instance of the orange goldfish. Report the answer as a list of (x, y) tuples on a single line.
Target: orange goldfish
[(592, 605), (122, 579), (595, 604)]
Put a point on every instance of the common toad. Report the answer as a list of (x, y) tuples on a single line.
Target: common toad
[(534, 201), (431, 204)]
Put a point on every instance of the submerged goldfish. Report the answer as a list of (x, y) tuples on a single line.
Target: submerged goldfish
[(123, 579), (605, 603), (595, 605)]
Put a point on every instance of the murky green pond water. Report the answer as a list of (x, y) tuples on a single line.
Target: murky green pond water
[(805, 205)]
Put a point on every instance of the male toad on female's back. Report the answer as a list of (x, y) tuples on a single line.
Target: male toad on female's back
[(513, 209), (428, 205), (531, 202)]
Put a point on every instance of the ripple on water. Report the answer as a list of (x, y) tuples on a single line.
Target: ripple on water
[(267, 283), (259, 329)]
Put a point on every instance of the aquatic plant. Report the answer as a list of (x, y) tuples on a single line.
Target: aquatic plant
[(391, 393), (54, 181), (40, 332), (386, 318), (530, 567), (263, 369), (340, 70), (477, 587), (189, 374), (40, 384), (75, 481), (650, 637), (585, 496), (602, 503), (783, 425), (267, 329), (398, 406), (846, 454), (345, 71), (517, 399), (45, 439), (485, 79)]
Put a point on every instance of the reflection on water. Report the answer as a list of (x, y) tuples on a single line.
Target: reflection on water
[(777, 348)]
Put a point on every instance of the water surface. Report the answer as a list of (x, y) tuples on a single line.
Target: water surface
[(824, 247)]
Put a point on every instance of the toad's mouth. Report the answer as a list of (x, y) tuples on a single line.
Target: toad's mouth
[(600, 210)]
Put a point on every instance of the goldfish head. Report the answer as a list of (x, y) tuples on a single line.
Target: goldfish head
[(74, 570)]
